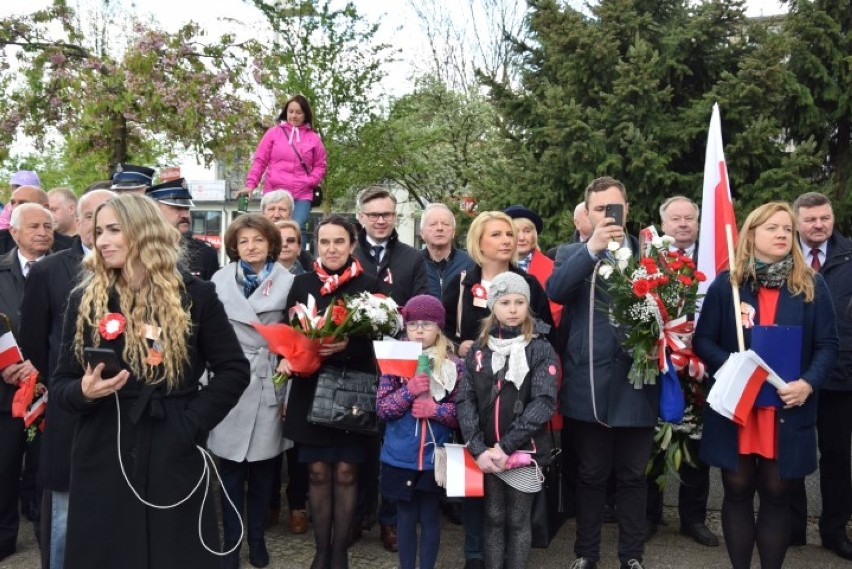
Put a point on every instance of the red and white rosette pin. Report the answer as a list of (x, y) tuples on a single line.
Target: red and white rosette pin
[(111, 326), (479, 291)]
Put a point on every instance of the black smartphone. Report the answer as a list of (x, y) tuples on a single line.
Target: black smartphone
[(106, 356), (615, 211)]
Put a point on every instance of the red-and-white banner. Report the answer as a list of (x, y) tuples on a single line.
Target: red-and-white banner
[(397, 358), (717, 209), (738, 382), (464, 478), (9, 351)]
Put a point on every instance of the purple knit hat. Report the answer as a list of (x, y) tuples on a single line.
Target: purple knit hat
[(424, 307)]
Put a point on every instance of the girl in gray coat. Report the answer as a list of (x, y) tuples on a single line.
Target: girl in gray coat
[(507, 395)]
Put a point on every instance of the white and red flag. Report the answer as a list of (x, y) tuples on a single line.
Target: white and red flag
[(464, 478), (9, 351), (397, 358), (717, 209), (737, 384)]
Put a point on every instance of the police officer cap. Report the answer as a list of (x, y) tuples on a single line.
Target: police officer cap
[(173, 192), (130, 176)]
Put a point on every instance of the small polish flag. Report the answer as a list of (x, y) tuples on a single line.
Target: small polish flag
[(9, 351), (737, 383), (464, 478), (397, 358)]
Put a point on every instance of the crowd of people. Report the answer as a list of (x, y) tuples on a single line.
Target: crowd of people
[(159, 385)]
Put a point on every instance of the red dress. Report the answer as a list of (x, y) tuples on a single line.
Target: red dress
[(759, 435)]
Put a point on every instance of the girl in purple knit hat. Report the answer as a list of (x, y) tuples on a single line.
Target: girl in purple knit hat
[(420, 415)]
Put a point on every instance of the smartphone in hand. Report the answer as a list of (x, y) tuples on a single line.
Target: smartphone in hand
[(106, 356), (615, 211)]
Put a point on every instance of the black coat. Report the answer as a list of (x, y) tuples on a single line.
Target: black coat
[(46, 294), (837, 271), (11, 294), (358, 355), (472, 316), (60, 242), (402, 268), (202, 259), (108, 527)]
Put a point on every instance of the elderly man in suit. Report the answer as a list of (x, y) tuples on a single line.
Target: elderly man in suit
[(32, 229), (20, 196), (611, 421), (46, 294)]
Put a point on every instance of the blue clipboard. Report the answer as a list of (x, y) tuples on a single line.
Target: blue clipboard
[(781, 348)]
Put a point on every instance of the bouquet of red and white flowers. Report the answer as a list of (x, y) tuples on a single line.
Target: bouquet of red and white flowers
[(364, 314), (651, 300)]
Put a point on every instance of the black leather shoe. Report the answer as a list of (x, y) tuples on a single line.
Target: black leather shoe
[(583, 563), (701, 534), (842, 547), (258, 555)]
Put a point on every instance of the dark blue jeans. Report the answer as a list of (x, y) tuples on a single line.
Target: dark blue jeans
[(259, 475), (423, 509)]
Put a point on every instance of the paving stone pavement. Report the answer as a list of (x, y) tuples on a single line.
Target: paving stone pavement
[(667, 550)]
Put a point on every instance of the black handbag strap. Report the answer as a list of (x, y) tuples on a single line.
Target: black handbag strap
[(299, 156)]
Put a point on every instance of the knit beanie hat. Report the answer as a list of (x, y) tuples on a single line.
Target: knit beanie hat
[(424, 307), (507, 283)]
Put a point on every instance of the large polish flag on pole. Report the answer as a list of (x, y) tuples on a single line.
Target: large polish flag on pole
[(717, 210)]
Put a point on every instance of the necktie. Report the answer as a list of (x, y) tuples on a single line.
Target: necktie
[(377, 252), (815, 264), (681, 251), (27, 266)]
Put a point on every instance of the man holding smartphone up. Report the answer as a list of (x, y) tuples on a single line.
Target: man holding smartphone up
[(612, 423)]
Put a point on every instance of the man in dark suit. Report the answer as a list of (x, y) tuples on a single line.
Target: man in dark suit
[(612, 422), (679, 217), (32, 229), (29, 194), (403, 269), (46, 294), (174, 200), (829, 253)]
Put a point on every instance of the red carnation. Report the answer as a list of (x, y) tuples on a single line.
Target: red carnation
[(676, 265), (685, 280), (338, 314), (700, 277), (641, 287)]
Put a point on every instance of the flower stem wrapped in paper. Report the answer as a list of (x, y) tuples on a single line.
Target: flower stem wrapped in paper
[(299, 342)]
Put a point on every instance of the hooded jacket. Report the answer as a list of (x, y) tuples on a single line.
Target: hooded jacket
[(276, 157)]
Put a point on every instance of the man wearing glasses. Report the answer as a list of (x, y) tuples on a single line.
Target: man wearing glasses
[(403, 270)]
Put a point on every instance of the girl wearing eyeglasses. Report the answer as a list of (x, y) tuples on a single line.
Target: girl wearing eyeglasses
[(420, 415)]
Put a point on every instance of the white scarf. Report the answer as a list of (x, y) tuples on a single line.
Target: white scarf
[(513, 349), (442, 381)]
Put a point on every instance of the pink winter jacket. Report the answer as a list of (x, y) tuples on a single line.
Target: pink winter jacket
[(275, 156)]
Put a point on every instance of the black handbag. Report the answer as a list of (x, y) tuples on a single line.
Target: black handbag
[(345, 399), (316, 196), (549, 509)]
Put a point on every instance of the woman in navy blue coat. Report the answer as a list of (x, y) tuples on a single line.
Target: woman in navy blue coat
[(778, 444)]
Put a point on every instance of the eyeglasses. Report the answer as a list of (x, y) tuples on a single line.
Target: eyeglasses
[(375, 216), (425, 325), (290, 240)]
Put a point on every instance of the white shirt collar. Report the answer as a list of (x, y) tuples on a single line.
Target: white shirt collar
[(806, 249), (23, 262), (689, 251)]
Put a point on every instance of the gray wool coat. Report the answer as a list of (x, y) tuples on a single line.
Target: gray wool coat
[(252, 431)]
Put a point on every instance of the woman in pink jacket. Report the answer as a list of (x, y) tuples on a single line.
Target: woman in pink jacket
[(292, 157)]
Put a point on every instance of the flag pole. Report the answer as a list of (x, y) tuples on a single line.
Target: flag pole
[(738, 321)]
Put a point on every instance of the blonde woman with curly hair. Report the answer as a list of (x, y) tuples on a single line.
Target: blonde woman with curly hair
[(777, 443), (138, 478)]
